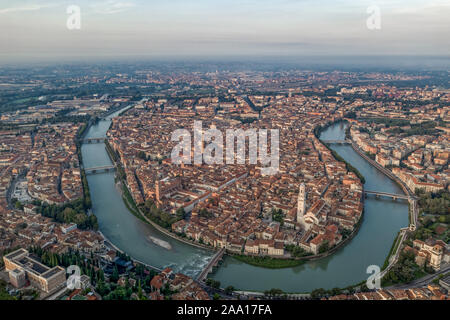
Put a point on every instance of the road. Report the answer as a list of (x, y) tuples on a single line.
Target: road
[(393, 259), (211, 291), (13, 186), (59, 293), (292, 296), (414, 213), (424, 281)]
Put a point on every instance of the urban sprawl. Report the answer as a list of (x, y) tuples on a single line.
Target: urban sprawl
[(312, 206)]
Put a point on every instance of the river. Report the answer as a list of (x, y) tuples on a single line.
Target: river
[(371, 245)]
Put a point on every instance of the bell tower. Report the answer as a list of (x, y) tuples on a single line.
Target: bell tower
[(301, 203)]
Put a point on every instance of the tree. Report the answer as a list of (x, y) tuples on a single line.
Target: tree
[(229, 290), (204, 213), (140, 269), (140, 293), (115, 275), (3, 293), (141, 155), (297, 251), (336, 291), (180, 213), (277, 215), (318, 293), (273, 292), (324, 247), (213, 283), (18, 205)]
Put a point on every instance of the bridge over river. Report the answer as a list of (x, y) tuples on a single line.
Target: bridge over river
[(211, 264), (346, 141), (99, 169), (93, 140), (394, 196)]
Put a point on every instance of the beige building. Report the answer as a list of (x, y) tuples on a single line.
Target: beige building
[(264, 247), (431, 251), (40, 276), (17, 278)]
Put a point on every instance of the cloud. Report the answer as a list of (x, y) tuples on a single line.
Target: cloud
[(34, 7), (111, 7)]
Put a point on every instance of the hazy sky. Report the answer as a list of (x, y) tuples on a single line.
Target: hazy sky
[(109, 28)]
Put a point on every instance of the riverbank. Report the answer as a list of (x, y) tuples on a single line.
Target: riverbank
[(268, 262), (112, 246), (383, 170), (84, 183), (393, 250), (174, 236), (318, 130), (271, 262), (413, 213)]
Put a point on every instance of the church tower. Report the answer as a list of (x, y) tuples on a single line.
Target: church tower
[(301, 203)]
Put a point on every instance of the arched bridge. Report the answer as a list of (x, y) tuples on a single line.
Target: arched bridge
[(211, 264), (387, 194), (93, 140), (346, 141), (95, 170)]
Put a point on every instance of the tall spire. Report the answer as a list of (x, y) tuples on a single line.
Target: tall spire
[(301, 202)]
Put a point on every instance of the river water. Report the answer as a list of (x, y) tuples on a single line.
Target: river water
[(371, 245)]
